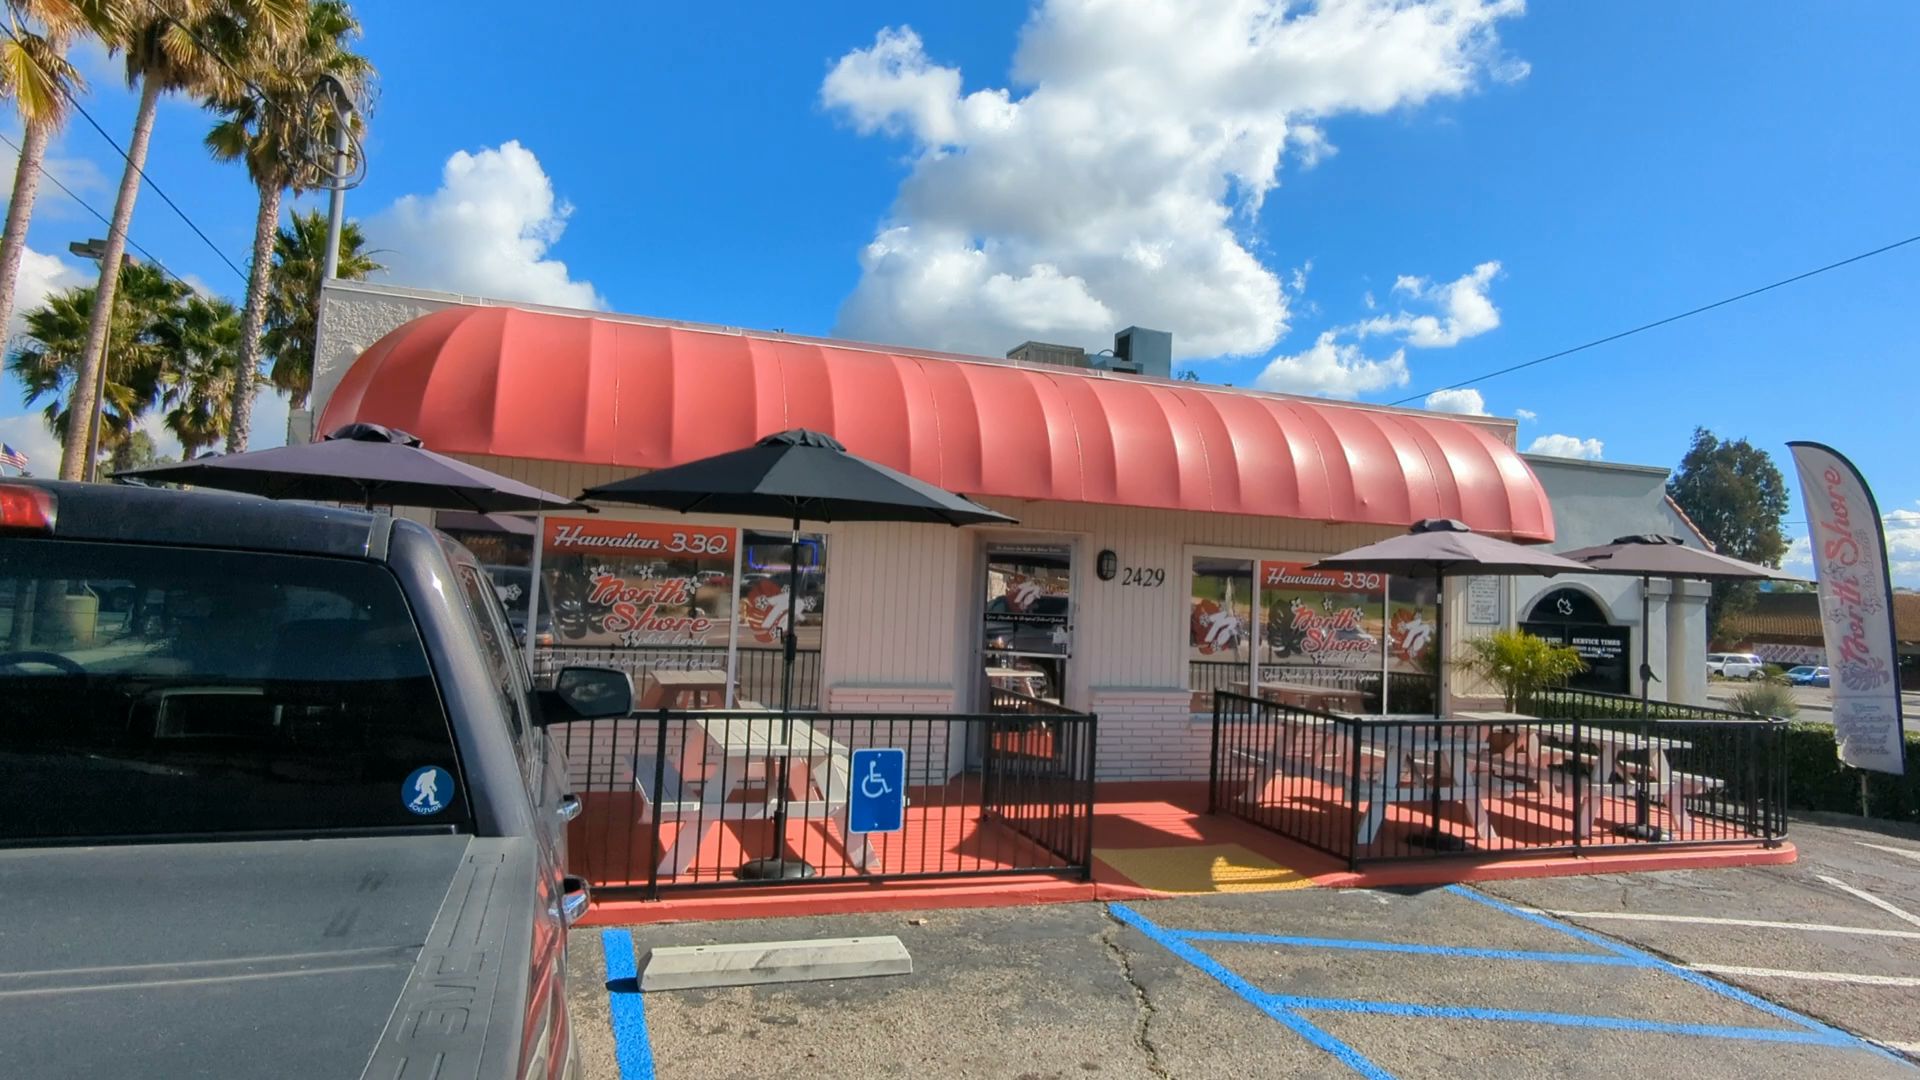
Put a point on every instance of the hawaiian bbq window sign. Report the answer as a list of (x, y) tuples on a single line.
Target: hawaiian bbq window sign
[(639, 584)]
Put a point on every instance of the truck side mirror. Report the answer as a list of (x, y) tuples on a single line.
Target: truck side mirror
[(586, 693)]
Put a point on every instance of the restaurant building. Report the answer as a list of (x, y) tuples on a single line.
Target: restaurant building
[(1164, 526)]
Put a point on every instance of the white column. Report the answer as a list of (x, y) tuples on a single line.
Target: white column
[(1659, 591), (1686, 673)]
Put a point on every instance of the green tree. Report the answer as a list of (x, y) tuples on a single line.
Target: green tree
[(136, 451), (170, 45), (37, 77), (202, 341), (1520, 664), (1733, 491), (138, 354), (276, 133), (293, 295)]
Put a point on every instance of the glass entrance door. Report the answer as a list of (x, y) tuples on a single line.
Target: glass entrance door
[(1026, 625)]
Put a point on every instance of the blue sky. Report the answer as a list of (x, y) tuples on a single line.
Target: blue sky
[(981, 178)]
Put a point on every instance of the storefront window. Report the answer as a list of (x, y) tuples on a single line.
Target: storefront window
[(695, 613), (766, 603), (1314, 620), (1026, 623), (1219, 627), (1309, 629)]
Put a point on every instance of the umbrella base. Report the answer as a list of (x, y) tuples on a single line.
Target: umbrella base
[(1435, 840), (776, 870), (1645, 832)]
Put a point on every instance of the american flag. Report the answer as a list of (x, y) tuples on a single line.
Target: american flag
[(10, 456)]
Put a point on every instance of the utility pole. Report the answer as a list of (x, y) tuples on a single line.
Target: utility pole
[(344, 114)]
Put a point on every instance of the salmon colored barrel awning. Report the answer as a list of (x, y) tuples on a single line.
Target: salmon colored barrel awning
[(513, 383)]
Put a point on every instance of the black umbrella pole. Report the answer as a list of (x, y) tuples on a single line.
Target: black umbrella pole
[(1643, 828), (778, 865)]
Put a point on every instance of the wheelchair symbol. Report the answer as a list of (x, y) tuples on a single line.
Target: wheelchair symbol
[(873, 785)]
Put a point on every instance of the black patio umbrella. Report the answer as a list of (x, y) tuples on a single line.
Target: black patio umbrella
[(505, 524), (360, 463), (1653, 556), (1441, 548), (797, 475)]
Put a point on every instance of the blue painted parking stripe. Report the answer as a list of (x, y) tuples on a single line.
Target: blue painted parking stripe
[(1601, 959), (1621, 1023), (631, 1046), (1250, 994), (1834, 1035)]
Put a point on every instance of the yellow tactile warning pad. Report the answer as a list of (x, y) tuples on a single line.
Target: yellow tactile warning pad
[(1201, 868)]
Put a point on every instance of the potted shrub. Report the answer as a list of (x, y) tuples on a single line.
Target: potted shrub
[(1520, 664)]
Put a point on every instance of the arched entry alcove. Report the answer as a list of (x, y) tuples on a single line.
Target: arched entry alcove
[(1571, 616)]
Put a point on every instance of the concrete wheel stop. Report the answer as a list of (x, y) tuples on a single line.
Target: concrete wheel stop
[(754, 963)]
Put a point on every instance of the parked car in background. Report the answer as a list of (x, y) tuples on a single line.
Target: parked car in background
[(1809, 675), (1736, 665), (278, 797)]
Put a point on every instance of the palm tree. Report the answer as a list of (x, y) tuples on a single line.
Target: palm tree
[(198, 385), (271, 134), (138, 357), (293, 295), (35, 73), (170, 46)]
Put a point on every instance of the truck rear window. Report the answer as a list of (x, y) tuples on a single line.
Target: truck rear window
[(153, 691)]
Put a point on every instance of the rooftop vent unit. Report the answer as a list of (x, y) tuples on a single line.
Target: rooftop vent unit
[(1138, 351), (1041, 352)]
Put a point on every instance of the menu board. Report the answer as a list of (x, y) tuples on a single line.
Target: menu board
[(1483, 601), (632, 584), (1328, 618)]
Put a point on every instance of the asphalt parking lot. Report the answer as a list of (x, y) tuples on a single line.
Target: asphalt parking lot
[(1756, 972), (1816, 702)]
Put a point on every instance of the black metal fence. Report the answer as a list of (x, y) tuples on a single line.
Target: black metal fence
[(1407, 691), (684, 799), (1369, 790), (757, 669)]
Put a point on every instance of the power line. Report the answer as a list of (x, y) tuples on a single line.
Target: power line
[(1662, 322), (148, 180), (137, 246)]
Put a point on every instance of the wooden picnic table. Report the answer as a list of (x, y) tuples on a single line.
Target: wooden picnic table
[(684, 689), (1401, 763), (1609, 745), (741, 754)]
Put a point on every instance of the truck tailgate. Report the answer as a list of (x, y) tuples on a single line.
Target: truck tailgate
[(267, 958)]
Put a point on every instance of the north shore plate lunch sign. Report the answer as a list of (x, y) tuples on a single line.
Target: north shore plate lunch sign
[(635, 584), (1856, 608)]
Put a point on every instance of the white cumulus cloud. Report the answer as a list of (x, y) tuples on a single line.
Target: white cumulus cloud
[(1902, 530), (1333, 369), (1466, 401), (487, 231), (42, 275), (1527, 415), (1464, 310), (1567, 446), (1110, 182)]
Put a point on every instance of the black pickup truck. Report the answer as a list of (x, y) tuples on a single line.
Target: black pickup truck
[(276, 797)]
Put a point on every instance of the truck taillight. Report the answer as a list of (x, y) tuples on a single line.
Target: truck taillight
[(25, 508)]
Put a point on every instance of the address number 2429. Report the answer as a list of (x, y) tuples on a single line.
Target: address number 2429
[(1145, 577)]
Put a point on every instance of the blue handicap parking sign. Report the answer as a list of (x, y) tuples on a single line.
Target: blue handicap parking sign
[(878, 801)]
